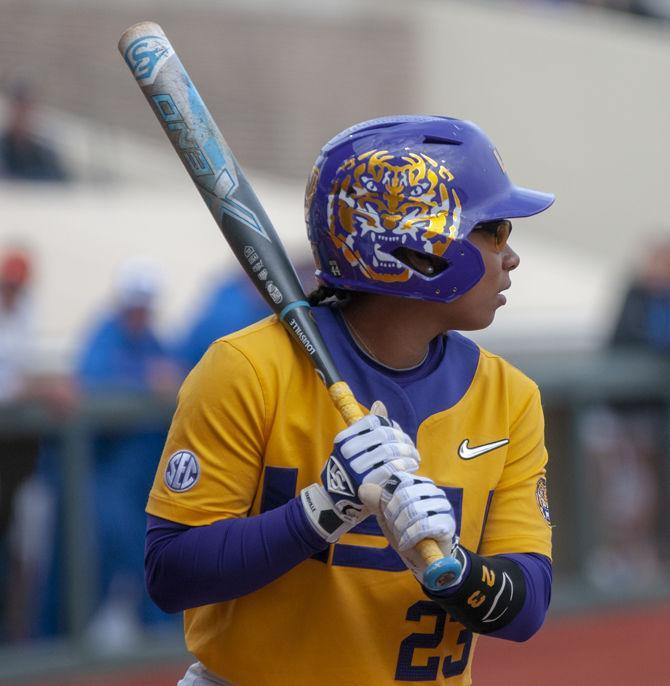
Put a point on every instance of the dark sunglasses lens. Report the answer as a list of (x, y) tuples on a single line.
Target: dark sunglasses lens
[(502, 231)]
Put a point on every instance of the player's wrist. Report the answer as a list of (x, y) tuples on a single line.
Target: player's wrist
[(327, 519)]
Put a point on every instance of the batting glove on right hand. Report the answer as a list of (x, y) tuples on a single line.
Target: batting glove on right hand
[(413, 508), (367, 452)]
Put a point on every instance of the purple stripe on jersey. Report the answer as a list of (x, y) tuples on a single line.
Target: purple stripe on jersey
[(192, 566), (410, 396), (537, 574)]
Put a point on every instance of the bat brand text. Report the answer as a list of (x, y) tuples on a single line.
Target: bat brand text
[(181, 135), (302, 337)]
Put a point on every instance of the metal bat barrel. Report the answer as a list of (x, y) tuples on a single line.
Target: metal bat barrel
[(240, 216), (217, 175)]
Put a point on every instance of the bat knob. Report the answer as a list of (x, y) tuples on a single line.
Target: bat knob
[(441, 573)]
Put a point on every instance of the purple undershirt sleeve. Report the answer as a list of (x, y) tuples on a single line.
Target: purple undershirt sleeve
[(537, 574), (190, 566)]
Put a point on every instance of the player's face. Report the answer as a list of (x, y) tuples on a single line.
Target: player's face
[(476, 309)]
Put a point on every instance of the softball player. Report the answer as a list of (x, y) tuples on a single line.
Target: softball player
[(257, 530)]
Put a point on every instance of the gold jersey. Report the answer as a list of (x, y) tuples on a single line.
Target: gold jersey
[(260, 424)]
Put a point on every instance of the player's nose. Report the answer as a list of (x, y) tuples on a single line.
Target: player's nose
[(511, 259)]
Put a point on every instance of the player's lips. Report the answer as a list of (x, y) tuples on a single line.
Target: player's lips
[(501, 298)]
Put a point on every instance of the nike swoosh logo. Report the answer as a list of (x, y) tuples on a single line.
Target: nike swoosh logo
[(467, 453)]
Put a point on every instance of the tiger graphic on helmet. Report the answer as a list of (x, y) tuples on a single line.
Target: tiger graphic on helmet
[(391, 202), (380, 202)]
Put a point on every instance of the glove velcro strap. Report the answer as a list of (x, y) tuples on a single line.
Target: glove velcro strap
[(490, 596), (330, 519)]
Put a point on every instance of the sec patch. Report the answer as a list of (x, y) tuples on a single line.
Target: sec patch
[(182, 471), (542, 499)]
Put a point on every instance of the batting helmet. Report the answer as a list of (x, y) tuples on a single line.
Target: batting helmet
[(386, 188)]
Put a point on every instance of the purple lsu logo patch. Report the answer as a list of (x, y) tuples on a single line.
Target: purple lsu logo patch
[(182, 471)]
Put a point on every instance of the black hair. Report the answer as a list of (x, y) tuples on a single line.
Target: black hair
[(324, 293)]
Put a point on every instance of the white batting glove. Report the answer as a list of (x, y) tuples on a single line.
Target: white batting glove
[(413, 508), (365, 454)]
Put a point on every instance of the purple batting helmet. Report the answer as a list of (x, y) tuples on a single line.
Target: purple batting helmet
[(388, 187)]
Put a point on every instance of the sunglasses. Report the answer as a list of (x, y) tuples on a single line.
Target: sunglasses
[(500, 229)]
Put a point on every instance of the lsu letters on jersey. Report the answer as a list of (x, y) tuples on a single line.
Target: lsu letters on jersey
[(261, 424)]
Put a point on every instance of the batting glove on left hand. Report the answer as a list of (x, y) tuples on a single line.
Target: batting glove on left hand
[(367, 452)]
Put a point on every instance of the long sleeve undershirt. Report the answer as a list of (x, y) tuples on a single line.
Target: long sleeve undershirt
[(191, 566), (537, 573)]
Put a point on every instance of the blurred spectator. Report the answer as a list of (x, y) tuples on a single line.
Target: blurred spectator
[(19, 379), (231, 305), (16, 326), (624, 442), (23, 153), (18, 452), (623, 450), (644, 319), (25, 502), (124, 354)]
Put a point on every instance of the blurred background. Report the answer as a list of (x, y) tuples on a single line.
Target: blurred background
[(114, 278)]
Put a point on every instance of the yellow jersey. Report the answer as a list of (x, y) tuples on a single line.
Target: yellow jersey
[(261, 424)]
